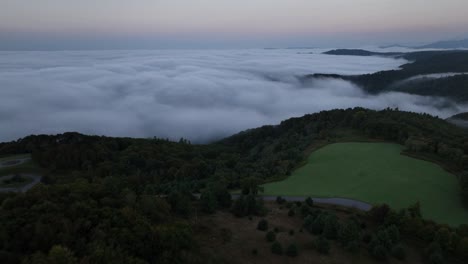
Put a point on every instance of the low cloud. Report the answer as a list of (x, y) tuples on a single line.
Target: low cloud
[(200, 95)]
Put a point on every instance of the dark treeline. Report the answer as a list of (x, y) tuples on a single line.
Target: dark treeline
[(124, 200)]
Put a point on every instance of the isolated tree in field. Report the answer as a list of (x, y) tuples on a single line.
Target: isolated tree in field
[(292, 250), (276, 248), (262, 225), (271, 236)]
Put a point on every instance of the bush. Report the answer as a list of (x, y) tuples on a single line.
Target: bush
[(348, 234), (399, 252), (276, 248), (276, 230), (366, 238), (280, 200), (226, 235), (305, 210), (331, 227), (271, 236), (255, 252), (292, 250), (379, 252), (309, 201), (208, 202), (291, 232), (322, 245), (379, 212), (436, 258), (262, 225), (291, 212)]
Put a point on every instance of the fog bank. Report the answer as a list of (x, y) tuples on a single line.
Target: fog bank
[(196, 94)]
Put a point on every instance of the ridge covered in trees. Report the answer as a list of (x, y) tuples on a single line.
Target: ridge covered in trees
[(421, 63), (129, 200)]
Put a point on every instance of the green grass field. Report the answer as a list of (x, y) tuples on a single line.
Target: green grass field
[(376, 173)]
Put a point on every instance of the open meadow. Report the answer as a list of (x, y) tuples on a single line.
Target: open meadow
[(376, 173)]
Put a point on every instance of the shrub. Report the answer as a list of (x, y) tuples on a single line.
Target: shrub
[(436, 258), (394, 234), (322, 245), (349, 233), (276, 230), (291, 212), (379, 212), (271, 236), (305, 210), (399, 252), (330, 230), (276, 248), (291, 232), (280, 200), (366, 238), (318, 224), (309, 201), (292, 250), (226, 235), (262, 225), (255, 252), (208, 202), (379, 252)]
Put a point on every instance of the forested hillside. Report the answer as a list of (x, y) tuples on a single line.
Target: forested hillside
[(125, 200)]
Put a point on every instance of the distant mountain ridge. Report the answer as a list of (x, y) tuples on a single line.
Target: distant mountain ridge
[(361, 52), (446, 44)]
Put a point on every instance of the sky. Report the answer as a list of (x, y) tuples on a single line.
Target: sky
[(147, 24), (201, 95)]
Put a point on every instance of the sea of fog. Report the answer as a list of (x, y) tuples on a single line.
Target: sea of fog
[(196, 94)]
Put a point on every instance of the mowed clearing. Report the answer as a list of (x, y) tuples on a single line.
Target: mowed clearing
[(377, 173)]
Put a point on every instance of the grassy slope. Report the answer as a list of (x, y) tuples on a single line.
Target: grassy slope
[(377, 173)]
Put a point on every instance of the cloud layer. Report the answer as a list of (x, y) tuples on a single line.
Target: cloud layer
[(195, 94)]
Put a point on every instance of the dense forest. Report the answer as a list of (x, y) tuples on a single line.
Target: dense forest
[(125, 200), (421, 63)]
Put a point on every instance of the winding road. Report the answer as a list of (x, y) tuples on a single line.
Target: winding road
[(35, 180), (333, 201), (15, 162)]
